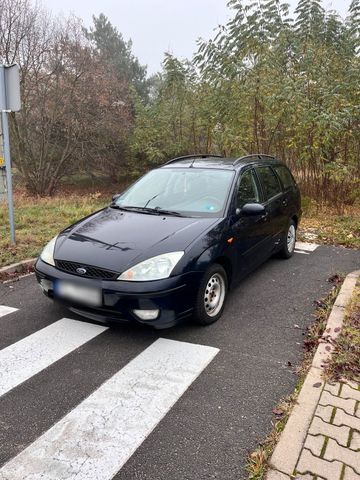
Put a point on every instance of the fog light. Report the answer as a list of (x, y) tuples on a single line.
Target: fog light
[(146, 314), (46, 285)]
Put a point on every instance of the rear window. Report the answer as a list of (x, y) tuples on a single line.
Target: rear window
[(285, 176), (270, 182)]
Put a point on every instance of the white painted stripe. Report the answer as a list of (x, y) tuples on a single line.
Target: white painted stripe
[(27, 357), (307, 247), (300, 251), (96, 438), (4, 310)]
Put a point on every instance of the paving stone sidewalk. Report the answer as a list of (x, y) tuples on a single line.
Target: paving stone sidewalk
[(331, 450), (332, 447)]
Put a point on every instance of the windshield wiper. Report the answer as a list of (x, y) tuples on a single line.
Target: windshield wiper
[(168, 212), (158, 211), (151, 211), (129, 208), (119, 207)]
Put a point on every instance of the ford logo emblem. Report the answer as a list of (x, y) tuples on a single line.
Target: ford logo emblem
[(81, 271)]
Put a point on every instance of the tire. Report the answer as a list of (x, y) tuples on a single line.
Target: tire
[(288, 247), (212, 293)]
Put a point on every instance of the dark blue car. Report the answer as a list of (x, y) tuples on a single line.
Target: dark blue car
[(173, 244)]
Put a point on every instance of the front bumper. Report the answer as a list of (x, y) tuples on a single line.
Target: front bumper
[(174, 297)]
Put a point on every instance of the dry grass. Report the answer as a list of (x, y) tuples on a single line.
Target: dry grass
[(39, 219), (323, 224), (345, 361)]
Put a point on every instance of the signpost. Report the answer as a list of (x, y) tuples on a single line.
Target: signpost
[(9, 102), (2, 170)]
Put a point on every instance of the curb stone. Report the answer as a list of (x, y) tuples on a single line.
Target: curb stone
[(18, 267), (287, 452)]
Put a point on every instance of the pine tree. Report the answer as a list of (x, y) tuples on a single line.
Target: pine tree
[(114, 49)]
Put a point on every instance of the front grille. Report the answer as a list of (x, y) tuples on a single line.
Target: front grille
[(91, 272)]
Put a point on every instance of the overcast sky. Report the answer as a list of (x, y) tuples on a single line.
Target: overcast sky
[(156, 26)]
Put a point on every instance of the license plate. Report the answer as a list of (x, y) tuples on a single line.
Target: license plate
[(79, 293)]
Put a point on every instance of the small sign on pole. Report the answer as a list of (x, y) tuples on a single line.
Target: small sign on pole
[(10, 88), (9, 102)]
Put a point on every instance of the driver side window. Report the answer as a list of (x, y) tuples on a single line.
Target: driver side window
[(248, 191)]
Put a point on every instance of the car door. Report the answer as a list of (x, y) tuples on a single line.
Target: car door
[(249, 232), (291, 199), (275, 203)]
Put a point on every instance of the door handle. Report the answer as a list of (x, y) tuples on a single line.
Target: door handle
[(284, 203)]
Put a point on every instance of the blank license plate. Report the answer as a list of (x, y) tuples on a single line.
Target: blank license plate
[(86, 295)]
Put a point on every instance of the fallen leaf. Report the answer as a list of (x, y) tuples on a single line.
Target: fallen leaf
[(277, 411)]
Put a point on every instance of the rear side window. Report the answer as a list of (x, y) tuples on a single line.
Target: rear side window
[(285, 176), (270, 182)]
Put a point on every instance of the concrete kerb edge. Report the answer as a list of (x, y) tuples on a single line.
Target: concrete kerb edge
[(19, 266), (284, 459)]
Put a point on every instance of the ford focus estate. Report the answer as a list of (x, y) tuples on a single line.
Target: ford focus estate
[(175, 242)]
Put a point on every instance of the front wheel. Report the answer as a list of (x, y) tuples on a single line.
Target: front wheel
[(288, 247), (211, 296)]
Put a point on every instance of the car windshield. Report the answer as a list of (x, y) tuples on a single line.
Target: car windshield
[(187, 191)]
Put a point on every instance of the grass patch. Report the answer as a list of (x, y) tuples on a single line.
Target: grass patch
[(324, 225), (345, 361), (37, 220), (258, 460)]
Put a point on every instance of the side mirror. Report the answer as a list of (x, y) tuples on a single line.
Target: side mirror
[(252, 209), (115, 197)]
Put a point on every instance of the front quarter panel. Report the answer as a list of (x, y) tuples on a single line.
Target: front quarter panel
[(206, 249)]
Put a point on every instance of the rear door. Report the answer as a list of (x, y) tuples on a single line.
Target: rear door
[(275, 205), (291, 192)]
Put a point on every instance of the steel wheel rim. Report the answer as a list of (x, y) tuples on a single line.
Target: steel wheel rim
[(214, 295), (291, 237)]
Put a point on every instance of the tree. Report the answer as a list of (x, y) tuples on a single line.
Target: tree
[(116, 52), (75, 111), (268, 83), (354, 23)]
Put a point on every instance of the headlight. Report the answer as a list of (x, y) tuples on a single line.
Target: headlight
[(47, 255), (154, 268)]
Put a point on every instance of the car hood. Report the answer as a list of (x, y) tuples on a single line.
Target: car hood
[(116, 240)]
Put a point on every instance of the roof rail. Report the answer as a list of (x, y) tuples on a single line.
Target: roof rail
[(200, 155), (258, 155)]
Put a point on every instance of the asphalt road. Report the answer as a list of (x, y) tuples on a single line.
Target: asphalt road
[(216, 410)]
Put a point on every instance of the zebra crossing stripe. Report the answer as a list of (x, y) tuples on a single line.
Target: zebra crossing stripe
[(306, 247), (95, 439), (27, 357), (4, 310)]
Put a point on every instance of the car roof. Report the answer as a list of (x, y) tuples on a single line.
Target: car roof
[(217, 161)]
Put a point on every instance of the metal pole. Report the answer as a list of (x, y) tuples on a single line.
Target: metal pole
[(6, 144)]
